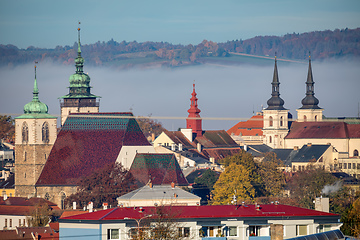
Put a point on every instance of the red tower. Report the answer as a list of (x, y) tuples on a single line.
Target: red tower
[(194, 120)]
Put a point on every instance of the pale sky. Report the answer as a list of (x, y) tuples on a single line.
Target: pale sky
[(47, 23)]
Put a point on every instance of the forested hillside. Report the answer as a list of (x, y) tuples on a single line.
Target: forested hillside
[(321, 44)]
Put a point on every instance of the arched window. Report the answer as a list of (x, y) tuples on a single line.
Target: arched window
[(270, 139), (25, 133), (45, 132), (356, 153), (315, 118), (47, 196), (271, 121), (304, 118), (281, 121)]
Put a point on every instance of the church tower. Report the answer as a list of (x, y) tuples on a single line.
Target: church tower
[(194, 121), (310, 111), (35, 134), (275, 116), (79, 99)]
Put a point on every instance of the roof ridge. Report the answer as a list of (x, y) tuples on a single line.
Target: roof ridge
[(107, 214)]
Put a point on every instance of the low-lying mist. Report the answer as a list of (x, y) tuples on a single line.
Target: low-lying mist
[(223, 91)]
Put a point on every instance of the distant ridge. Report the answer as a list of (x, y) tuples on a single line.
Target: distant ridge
[(321, 44)]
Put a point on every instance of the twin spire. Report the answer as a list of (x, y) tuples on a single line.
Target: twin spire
[(277, 103)]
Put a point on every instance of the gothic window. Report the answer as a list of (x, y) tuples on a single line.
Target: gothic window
[(62, 199), (45, 132), (25, 133), (281, 121), (356, 153), (47, 196), (271, 121)]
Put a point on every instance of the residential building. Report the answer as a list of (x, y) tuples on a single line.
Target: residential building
[(35, 134), (201, 222), (158, 195)]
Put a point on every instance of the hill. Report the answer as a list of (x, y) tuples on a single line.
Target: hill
[(321, 44)]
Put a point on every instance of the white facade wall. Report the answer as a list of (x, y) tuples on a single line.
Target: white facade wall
[(65, 111), (275, 127), (35, 130), (10, 222), (309, 115), (127, 154)]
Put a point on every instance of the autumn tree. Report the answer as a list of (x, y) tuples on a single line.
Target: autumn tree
[(104, 185), (247, 161), (234, 181), (150, 126), (351, 220), (7, 128), (40, 216), (305, 186), (272, 176)]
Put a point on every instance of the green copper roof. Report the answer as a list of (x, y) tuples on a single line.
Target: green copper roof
[(35, 108), (79, 81)]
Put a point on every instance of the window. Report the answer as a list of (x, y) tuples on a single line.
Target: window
[(232, 231), (358, 166), (270, 139), (184, 231), (24, 222), (315, 118), (47, 196), (271, 121), (301, 230), (349, 165), (354, 166), (25, 133), (324, 228), (10, 222), (281, 121), (25, 157), (211, 231), (345, 166), (19, 222), (45, 132), (62, 198), (304, 118), (356, 153), (340, 165), (294, 168), (113, 234), (5, 223)]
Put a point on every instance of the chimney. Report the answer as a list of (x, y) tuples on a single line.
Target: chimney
[(152, 137), (276, 231), (187, 133), (245, 147), (172, 185), (296, 148), (5, 197), (150, 185), (198, 147), (309, 144), (180, 147), (74, 205), (90, 206), (322, 204), (212, 160), (173, 147), (105, 205)]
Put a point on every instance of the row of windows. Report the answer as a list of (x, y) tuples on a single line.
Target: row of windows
[(271, 121), (345, 165), (44, 133), (21, 223)]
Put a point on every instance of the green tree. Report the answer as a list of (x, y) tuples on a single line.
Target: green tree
[(271, 175), (104, 185), (7, 128), (208, 179), (150, 126), (235, 180), (40, 216)]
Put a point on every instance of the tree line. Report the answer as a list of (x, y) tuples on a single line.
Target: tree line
[(321, 44)]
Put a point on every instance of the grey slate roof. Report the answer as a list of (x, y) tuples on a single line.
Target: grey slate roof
[(307, 153), (157, 192)]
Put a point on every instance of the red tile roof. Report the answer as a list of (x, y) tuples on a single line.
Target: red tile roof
[(86, 144), (251, 127), (208, 211), (353, 130), (21, 206), (317, 130)]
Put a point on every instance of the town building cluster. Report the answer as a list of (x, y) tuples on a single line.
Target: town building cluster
[(49, 164)]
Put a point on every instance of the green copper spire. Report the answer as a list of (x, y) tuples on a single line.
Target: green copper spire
[(35, 108), (79, 81)]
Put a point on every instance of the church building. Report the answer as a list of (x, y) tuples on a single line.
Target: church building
[(35, 134), (79, 99)]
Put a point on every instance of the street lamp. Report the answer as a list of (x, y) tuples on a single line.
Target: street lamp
[(138, 223)]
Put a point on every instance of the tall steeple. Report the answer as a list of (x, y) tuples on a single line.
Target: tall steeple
[(310, 111), (275, 102), (310, 101), (35, 106), (194, 120), (276, 117), (79, 99)]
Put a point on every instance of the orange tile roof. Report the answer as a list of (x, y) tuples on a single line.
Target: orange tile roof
[(251, 127)]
